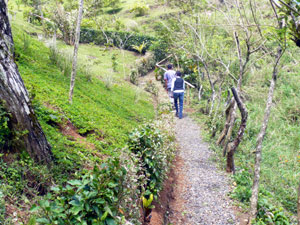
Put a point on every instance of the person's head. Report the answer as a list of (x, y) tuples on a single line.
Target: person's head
[(169, 66), (178, 73)]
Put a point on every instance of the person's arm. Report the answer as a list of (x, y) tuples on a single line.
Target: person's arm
[(173, 82), (166, 81), (183, 85)]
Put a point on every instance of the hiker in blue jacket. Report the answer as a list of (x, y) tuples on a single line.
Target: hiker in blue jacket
[(178, 88)]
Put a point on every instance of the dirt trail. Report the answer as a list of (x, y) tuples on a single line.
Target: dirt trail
[(196, 191)]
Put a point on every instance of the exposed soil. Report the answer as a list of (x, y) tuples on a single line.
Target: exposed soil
[(71, 132), (168, 196)]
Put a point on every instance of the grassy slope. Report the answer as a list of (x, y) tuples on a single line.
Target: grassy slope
[(280, 164), (109, 114)]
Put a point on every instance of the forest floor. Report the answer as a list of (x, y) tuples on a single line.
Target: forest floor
[(196, 191)]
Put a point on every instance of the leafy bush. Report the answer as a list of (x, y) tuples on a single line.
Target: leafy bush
[(120, 39), (133, 77), (139, 8), (5, 132), (269, 214), (142, 67), (102, 196), (63, 61), (243, 190), (147, 143), (152, 88)]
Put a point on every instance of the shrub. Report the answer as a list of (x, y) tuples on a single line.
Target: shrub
[(140, 9), (114, 62), (269, 214), (152, 88), (5, 132), (120, 39), (108, 81), (133, 77), (147, 143), (243, 190), (103, 196)]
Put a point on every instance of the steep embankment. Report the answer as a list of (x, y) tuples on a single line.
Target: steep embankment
[(99, 120)]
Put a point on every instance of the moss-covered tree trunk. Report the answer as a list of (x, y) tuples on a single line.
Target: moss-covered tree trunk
[(15, 97)]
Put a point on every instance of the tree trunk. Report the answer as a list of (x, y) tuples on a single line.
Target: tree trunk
[(260, 138), (233, 146), (74, 64), (15, 97), (228, 114)]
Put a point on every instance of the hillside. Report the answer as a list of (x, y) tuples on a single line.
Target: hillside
[(114, 145)]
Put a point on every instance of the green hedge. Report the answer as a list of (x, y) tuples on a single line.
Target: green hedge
[(116, 38)]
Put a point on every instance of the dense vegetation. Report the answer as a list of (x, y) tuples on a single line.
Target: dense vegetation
[(217, 44)]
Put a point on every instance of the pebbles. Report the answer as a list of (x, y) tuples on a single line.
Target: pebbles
[(205, 187)]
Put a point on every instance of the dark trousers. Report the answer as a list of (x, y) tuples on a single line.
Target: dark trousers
[(178, 97)]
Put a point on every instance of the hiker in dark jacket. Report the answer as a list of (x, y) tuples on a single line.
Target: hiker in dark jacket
[(178, 88)]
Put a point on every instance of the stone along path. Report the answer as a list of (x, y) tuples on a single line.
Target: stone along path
[(201, 189)]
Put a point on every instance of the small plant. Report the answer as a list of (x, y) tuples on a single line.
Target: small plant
[(151, 87), (140, 48), (243, 190), (269, 214), (114, 62), (108, 81), (133, 77), (54, 55), (26, 42), (66, 65), (85, 69), (5, 132), (147, 202)]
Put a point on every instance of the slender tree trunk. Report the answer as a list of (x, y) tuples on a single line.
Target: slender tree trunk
[(15, 98), (233, 146), (74, 64), (228, 113), (261, 135)]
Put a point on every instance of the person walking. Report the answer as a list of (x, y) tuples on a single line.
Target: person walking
[(178, 87), (168, 77)]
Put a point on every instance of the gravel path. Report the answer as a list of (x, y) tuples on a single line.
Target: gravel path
[(205, 188)]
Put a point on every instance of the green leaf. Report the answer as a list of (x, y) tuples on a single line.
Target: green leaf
[(75, 182), (110, 221), (76, 209), (43, 221), (34, 208), (103, 217), (32, 221)]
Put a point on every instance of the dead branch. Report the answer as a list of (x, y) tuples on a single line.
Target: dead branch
[(233, 146)]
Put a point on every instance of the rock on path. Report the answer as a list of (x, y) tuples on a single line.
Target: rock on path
[(203, 193)]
